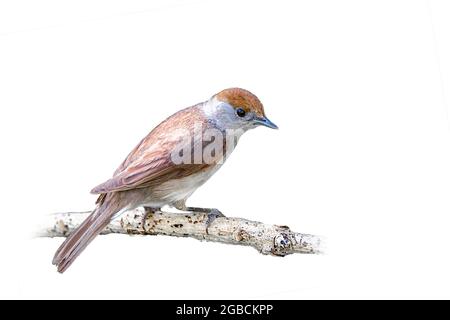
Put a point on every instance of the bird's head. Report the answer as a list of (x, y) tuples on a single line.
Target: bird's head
[(237, 108)]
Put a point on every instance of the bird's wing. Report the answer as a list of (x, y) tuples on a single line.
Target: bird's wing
[(150, 162)]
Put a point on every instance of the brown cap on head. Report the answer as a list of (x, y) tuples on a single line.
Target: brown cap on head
[(241, 98)]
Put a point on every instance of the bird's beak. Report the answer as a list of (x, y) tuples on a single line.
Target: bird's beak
[(263, 121)]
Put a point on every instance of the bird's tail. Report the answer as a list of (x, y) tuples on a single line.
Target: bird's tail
[(79, 239)]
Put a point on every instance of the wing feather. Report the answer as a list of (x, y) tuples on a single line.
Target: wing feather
[(150, 162)]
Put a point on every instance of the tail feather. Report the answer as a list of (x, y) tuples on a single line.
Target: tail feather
[(79, 239), (71, 239)]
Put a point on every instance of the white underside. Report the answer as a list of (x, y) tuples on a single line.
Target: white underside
[(180, 189)]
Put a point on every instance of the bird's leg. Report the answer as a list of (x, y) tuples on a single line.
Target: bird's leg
[(212, 214)]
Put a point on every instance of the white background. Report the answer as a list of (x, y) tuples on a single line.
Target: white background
[(359, 89)]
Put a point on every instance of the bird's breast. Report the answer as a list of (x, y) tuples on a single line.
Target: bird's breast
[(182, 188)]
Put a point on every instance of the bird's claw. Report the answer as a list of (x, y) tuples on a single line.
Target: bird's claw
[(211, 216)]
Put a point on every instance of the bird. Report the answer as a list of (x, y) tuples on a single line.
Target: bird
[(169, 164)]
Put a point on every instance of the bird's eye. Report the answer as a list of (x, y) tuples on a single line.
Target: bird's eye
[(240, 112)]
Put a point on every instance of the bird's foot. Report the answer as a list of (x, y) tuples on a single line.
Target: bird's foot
[(211, 213), (211, 216)]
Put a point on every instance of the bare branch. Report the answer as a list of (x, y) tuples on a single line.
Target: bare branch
[(267, 239)]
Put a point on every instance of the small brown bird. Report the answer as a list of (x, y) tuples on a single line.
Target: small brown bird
[(170, 163)]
